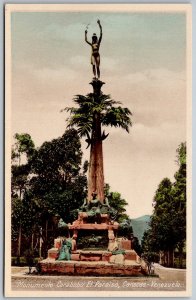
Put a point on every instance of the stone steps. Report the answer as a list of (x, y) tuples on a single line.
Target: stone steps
[(91, 268)]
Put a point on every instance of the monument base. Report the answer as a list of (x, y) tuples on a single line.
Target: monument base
[(100, 253), (92, 268), (94, 263)]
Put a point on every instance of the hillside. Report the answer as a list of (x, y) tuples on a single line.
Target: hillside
[(140, 225)]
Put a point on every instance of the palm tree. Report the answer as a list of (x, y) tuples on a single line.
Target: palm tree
[(94, 111)]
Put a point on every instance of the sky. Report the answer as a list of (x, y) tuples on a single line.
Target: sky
[(143, 65)]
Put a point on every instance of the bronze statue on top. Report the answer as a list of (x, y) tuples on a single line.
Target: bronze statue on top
[(95, 56)]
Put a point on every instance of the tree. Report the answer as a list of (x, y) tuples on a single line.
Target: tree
[(58, 181), (119, 205), (19, 181), (23, 145), (149, 253), (117, 202), (168, 223), (54, 184), (162, 220), (179, 200), (20, 171), (96, 110)]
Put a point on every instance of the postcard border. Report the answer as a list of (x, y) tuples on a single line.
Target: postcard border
[(9, 8)]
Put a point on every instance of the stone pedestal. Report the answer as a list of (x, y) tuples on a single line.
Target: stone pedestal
[(124, 244), (92, 268), (117, 259), (82, 224), (97, 84)]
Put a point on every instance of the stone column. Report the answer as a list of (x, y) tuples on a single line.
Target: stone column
[(96, 173)]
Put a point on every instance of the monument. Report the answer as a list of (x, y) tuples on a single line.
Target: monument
[(92, 246)]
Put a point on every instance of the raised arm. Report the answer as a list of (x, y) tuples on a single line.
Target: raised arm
[(100, 27), (86, 38)]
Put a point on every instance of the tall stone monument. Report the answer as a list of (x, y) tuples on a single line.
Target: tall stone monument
[(93, 246)]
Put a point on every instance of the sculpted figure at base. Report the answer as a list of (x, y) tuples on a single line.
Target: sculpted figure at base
[(65, 251), (95, 208), (95, 56)]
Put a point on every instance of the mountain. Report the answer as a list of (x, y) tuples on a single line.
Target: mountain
[(139, 225)]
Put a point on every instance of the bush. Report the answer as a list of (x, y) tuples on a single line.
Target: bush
[(22, 262), (177, 263), (18, 261)]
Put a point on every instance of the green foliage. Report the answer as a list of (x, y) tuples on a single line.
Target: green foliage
[(50, 182), (58, 183), (118, 203), (162, 220), (149, 253), (23, 145), (168, 223), (179, 199), (19, 181), (125, 229), (110, 113), (18, 261), (181, 154), (22, 261)]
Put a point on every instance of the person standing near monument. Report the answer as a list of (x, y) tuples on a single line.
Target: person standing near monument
[(95, 56)]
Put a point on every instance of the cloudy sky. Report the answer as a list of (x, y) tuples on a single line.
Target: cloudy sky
[(143, 65)]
